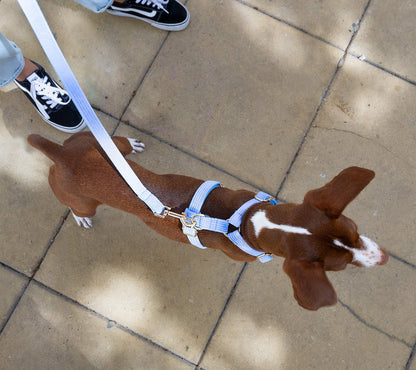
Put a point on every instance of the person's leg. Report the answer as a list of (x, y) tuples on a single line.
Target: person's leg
[(28, 68), (11, 61)]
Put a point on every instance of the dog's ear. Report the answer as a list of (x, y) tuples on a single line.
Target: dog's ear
[(311, 287), (338, 193)]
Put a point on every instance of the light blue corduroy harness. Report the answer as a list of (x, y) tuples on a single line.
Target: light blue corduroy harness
[(196, 221)]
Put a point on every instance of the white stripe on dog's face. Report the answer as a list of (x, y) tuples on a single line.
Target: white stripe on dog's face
[(370, 256), (260, 222)]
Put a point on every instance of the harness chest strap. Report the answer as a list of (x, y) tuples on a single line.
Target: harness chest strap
[(197, 221)]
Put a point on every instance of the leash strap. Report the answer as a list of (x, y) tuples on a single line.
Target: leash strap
[(42, 31)]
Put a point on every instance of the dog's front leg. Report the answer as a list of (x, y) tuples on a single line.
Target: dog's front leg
[(85, 222), (136, 145)]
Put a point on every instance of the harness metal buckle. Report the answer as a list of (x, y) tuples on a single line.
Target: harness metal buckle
[(165, 213), (264, 200), (189, 224), (262, 255)]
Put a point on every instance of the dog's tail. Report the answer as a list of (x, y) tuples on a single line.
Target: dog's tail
[(52, 150)]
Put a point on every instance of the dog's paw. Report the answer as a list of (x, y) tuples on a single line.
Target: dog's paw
[(83, 221), (136, 145)]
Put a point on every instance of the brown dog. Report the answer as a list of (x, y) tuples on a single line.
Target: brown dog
[(313, 237)]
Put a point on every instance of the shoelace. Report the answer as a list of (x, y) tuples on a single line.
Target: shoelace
[(159, 4), (42, 87)]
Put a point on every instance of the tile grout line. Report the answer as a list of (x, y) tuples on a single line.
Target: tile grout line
[(323, 97), (227, 302), (109, 320), (35, 270), (411, 357), (14, 307), (146, 72), (287, 23), (359, 318), (281, 20), (402, 260), (83, 307), (388, 71), (193, 156)]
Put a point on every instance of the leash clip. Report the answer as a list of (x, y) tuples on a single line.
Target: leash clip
[(188, 223)]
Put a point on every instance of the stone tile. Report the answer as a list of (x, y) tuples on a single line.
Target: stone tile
[(383, 296), (412, 365), (109, 55), (171, 293), (238, 89), (11, 285), (275, 333), (330, 20), (49, 332), (28, 209), (387, 37), (367, 120)]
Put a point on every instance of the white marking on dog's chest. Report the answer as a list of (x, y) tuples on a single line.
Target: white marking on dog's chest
[(260, 222)]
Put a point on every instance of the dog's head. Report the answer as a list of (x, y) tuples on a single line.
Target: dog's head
[(319, 238)]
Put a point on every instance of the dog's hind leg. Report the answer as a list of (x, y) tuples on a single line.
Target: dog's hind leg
[(82, 208)]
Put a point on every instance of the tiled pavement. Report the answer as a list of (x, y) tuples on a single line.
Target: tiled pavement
[(273, 95)]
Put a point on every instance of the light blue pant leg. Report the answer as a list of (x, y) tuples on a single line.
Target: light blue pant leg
[(97, 6), (11, 61)]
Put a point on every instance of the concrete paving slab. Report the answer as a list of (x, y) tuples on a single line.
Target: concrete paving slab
[(108, 54), (381, 296), (275, 333), (169, 292), (237, 86), (387, 36), (28, 209), (367, 120), (11, 285), (49, 332), (332, 21)]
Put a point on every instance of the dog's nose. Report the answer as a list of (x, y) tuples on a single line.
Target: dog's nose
[(384, 257)]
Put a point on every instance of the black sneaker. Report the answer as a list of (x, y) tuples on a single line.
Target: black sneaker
[(169, 15), (51, 101)]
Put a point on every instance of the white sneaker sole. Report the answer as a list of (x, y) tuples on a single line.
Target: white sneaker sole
[(68, 130)]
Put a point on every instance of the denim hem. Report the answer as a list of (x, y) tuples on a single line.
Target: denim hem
[(109, 2), (21, 63), (95, 6)]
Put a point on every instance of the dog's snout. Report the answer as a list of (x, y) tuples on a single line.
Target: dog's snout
[(383, 258)]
